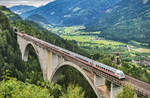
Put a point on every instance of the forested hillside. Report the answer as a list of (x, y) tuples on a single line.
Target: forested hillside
[(125, 21), (30, 72)]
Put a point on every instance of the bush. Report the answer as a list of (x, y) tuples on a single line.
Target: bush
[(16, 89)]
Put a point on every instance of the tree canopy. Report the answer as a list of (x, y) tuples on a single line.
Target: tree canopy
[(127, 92)]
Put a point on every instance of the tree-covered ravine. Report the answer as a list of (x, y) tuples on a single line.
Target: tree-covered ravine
[(19, 79)]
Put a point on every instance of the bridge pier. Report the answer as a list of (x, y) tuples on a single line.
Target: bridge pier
[(49, 61), (99, 81), (115, 90), (25, 56)]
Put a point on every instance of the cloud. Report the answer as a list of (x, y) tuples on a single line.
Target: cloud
[(24, 1), (36, 3)]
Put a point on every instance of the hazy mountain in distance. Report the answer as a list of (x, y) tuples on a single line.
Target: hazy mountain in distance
[(72, 12), (38, 19), (19, 9)]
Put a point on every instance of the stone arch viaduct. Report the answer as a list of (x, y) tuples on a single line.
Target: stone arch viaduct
[(51, 60)]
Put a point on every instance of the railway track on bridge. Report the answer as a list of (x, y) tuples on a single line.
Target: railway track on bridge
[(140, 86)]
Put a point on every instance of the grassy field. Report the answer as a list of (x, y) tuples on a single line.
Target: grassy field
[(79, 38), (142, 50)]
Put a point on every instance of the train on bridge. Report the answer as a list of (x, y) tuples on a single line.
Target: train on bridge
[(99, 66)]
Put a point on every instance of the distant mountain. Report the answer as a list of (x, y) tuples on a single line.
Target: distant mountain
[(38, 19), (21, 9), (72, 12), (125, 21)]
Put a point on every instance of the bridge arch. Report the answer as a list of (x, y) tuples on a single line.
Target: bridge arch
[(67, 63), (25, 54), (26, 51)]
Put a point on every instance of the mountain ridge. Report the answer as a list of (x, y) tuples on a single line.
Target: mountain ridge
[(19, 9)]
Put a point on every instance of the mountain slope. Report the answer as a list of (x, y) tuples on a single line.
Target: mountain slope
[(19, 9), (38, 19), (127, 20), (74, 12)]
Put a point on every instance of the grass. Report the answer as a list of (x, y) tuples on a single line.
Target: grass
[(91, 39), (142, 50), (79, 38), (73, 30), (107, 42)]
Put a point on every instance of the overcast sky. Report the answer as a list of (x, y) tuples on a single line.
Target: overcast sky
[(36, 3)]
